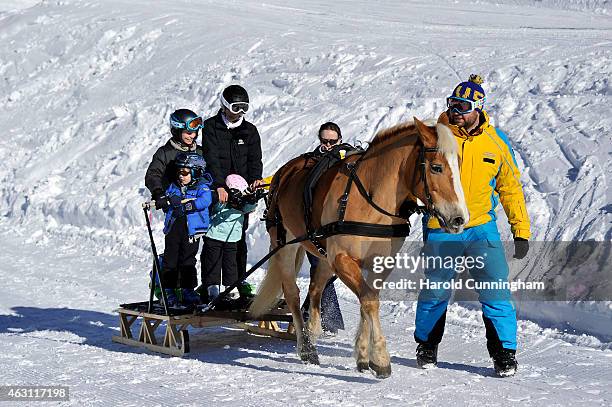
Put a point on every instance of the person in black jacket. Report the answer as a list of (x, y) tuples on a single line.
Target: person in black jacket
[(232, 145), (184, 127), (330, 138)]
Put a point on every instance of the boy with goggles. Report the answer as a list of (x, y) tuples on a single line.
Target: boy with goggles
[(184, 127), (489, 175), (189, 124), (187, 219)]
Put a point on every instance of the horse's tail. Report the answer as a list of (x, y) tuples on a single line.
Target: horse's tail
[(269, 290), (283, 266)]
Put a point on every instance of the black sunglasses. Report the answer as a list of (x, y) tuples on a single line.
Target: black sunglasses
[(327, 141)]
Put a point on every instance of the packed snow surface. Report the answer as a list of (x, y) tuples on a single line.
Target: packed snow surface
[(86, 88)]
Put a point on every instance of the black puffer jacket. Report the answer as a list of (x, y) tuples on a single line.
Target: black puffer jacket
[(161, 171), (231, 151)]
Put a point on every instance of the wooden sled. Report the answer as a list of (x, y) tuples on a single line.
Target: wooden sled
[(175, 341)]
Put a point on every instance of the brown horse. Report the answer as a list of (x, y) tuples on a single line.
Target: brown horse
[(391, 172)]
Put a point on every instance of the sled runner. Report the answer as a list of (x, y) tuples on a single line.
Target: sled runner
[(175, 339)]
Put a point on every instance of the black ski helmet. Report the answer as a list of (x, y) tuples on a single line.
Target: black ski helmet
[(193, 161), (235, 93), (179, 120)]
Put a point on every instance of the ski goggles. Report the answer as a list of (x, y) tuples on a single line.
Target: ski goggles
[(463, 106), (236, 107), (192, 125)]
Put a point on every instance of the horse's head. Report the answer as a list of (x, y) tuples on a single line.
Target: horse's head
[(438, 182)]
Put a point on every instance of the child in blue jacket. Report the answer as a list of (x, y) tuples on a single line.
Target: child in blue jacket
[(221, 240), (186, 221)]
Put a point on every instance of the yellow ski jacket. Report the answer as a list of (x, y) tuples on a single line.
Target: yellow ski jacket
[(489, 175)]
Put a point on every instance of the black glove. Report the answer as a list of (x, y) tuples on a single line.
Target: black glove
[(252, 198), (521, 247), (175, 201), (161, 202), (235, 198), (177, 205), (189, 206)]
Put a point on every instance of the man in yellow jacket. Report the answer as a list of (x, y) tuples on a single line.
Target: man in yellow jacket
[(489, 175)]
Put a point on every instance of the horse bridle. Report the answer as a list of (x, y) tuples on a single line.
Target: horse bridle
[(429, 207)]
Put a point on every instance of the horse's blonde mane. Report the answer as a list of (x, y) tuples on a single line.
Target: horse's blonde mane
[(446, 140), (392, 132)]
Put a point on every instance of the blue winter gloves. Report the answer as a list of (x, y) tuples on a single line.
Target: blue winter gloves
[(521, 247)]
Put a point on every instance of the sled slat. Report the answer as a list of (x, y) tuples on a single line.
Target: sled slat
[(176, 336)]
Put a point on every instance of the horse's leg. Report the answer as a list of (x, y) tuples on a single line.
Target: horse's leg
[(362, 343), (370, 344), (350, 274), (380, 361), (290, 259), (315, 290)]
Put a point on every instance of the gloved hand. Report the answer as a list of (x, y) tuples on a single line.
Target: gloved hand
[(177, 206), (252, 198), (521, 247), (161, 202), (189, 206), (235, 198), (175, 201)]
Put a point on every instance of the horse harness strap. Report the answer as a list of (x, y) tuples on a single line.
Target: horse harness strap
[(422, 164), (342, 227)]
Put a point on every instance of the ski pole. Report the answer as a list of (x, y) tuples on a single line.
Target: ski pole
[(156, 269)]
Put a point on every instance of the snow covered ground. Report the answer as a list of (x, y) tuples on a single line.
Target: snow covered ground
[(86, 88)]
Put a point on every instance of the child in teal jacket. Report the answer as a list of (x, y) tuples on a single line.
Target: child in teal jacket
[(224, 233)]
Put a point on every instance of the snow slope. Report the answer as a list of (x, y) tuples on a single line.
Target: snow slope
[(86, 88)]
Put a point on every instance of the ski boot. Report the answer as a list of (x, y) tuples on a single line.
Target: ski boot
[(234, 294), (191, 297), (172, 299), (213, 292), (202, 291), (504, 362), (246, 290), (427, 356)]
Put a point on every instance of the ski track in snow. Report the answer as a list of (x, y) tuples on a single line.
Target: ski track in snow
[(86, 89)]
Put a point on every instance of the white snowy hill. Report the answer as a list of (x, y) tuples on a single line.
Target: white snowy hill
[(86, 88)]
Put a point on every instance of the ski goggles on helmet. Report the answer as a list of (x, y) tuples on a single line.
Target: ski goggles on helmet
[(463, 106), (236, 107), (191, 125)]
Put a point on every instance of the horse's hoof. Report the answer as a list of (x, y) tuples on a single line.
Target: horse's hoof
[(381, 372), (363, 366), (311, 358)]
